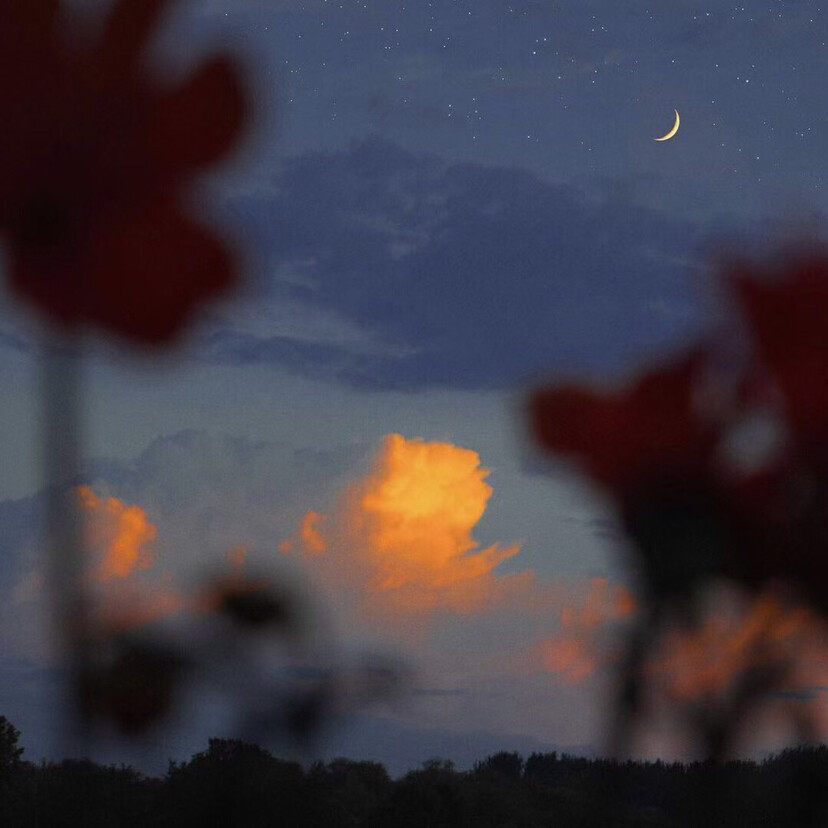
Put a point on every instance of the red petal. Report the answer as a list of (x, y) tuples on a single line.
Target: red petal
[(147, 276), (128, 30), (200, 121), (91, 162), (32, 16), (27, 46), (789, 318), (649, 430)]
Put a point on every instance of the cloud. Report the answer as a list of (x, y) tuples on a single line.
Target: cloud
[(310, 539), (416, 512), (395, 549), (579, 647), (737, 636), (417, 272), (125, 590), (398, 554), (396, 538), (118, 535), (159, 525), (210, 492), (401, 535)]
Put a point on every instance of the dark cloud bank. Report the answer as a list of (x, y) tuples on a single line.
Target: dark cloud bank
[(463, 275)]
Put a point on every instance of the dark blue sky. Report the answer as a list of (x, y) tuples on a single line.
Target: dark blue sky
[(570, 91), (473, 191)]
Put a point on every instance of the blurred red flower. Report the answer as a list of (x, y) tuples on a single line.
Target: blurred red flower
[(634, 437), (95, 154), (691, 514), (654, 452), (788, 313), (716, 483)]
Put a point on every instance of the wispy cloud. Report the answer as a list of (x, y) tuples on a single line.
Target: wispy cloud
[(579, 647)]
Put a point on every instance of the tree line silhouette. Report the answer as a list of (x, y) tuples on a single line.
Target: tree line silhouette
[(235, 783)]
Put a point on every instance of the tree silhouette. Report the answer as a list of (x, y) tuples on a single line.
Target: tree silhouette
[(10, 750), (505, 764), (235, 783), (12, 770)]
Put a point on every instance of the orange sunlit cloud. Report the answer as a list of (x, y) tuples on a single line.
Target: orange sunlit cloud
[(121, 590), (401, 539), (402, 535), (604, 602), (118, 534), (119, 538), (311, 539), (702, 663), (400, 543), (130, 608), (691, 664), (236, 557), (576, 651)]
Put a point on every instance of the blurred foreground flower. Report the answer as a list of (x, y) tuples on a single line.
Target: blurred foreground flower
[(248, 638), (95, 157), (698, 508)]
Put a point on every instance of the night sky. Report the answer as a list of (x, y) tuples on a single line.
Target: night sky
[(442, 205)]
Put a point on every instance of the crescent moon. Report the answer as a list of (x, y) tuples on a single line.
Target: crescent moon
[(673, 131)]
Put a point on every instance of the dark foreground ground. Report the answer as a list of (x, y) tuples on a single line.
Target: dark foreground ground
[(237, 784)]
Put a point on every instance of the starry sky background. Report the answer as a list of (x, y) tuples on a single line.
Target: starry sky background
[(443, 203)]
